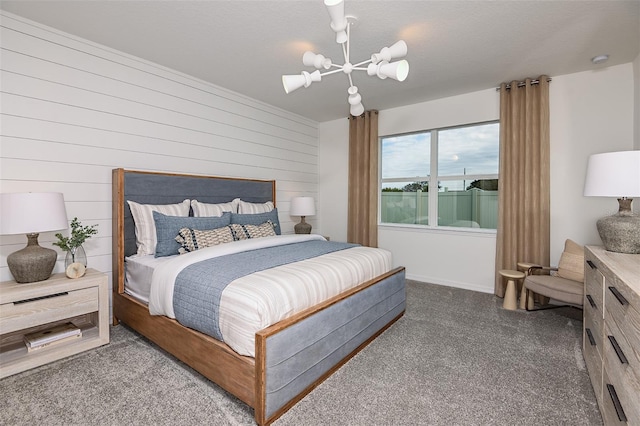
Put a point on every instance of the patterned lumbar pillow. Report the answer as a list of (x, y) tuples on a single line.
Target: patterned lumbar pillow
[(193, 239), (245, 232)]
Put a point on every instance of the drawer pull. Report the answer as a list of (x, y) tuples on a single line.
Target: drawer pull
[(616, 403), (33, 299), (591, 264), (618, 295), (591, 302), (616, 347), (590, 336)]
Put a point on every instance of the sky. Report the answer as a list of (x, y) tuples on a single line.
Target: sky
[(461, 151)]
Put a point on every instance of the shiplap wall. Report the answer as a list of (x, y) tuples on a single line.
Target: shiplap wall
[(72, 110)]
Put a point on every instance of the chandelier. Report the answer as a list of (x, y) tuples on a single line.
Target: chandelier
[(379, 65)]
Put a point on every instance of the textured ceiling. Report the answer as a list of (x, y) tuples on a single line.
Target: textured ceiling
[(455, 47)]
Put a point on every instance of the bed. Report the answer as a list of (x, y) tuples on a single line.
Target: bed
[(289, 357)]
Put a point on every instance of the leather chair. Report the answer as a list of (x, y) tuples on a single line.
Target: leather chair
[(564, 283)]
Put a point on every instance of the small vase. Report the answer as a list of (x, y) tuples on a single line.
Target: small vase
[(75, 255)]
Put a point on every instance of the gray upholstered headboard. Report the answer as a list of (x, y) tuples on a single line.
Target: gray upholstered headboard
[(165, 188)]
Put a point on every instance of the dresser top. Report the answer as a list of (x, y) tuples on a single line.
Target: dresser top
[(625, 266)]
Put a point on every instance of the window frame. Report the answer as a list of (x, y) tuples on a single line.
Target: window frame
[(434, 180)]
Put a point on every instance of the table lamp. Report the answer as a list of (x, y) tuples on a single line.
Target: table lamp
[(616, 174), (302, 206), (31, 213)]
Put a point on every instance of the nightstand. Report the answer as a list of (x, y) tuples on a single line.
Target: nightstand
[(31, 307)]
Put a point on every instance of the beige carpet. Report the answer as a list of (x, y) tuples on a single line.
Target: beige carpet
[(456, 357)]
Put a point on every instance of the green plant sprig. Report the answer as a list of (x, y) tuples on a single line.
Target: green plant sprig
[(79, 234)]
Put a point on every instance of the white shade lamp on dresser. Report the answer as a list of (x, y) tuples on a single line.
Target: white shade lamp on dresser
[(302, 206), (31, 213), (617, 175)]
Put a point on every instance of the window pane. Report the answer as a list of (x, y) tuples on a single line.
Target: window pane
[(468, 208), (406, 156), (469, 150), (404, 202)]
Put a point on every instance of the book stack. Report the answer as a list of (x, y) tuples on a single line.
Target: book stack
[(52, 336)]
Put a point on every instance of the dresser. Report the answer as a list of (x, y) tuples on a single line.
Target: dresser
[(611, 334)]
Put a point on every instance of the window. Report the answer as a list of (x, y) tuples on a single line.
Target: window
[(441, 177)]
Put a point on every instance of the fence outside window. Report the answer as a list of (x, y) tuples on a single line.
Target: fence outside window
[(472, 208)]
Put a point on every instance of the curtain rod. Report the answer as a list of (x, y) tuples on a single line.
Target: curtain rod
[(522, 83)]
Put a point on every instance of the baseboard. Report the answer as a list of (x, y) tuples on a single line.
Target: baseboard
[(466, 286)]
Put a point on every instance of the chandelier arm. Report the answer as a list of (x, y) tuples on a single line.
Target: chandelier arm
[(347, 57), (359, 69), (331, 72), (344, 51), (361, 63), (350, 80)]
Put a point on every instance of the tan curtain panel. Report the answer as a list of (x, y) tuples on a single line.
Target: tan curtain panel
[(362, 220), (523, 198)]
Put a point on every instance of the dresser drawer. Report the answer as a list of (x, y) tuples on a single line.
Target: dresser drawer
[(621, 314), (30, 313), (594, 334), (593, 361), (622, 367), (613, 413), (594, 291)]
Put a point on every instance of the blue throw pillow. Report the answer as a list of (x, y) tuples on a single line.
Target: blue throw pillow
[(168, 227), (257, 219)]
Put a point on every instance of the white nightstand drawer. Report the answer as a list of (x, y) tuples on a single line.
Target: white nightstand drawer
[(30, 313)]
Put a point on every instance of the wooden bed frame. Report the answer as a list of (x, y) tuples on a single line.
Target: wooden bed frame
[(242, 376)]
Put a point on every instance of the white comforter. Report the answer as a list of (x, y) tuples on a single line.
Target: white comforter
[(256, 301)]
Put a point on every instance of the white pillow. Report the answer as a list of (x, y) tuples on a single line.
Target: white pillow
[(253, 208), (209, 210), (146, 238)]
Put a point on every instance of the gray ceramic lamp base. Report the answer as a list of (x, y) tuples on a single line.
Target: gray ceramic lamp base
[(302, 227), (620, 233), (32, 263)]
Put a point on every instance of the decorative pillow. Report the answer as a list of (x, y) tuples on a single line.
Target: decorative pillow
[(258, 219), (252, 208), (193, 239), (207, 209), (167, 227), (245, 232), (571, 265), (145, 225)]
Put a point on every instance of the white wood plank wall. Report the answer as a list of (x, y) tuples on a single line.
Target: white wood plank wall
[(72, 110)]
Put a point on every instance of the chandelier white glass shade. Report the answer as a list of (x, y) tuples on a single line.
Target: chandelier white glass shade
[(378, 65)]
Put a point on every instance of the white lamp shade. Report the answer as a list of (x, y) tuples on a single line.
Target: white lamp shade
[(397, 50), (355, 100), (293, 82), (302, 206), (356, 110), (32, 212), (613, 174), (395, 70), (311, 59), (338, 20)]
